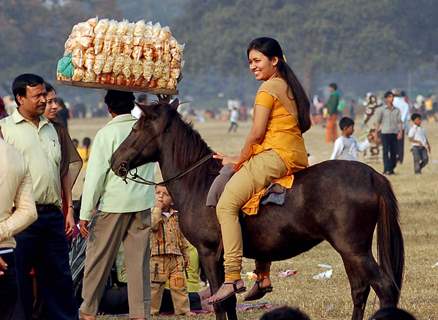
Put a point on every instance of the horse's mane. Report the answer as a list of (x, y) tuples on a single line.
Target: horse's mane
[(189, 147)]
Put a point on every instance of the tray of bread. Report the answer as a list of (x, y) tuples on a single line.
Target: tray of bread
[(122, 55)]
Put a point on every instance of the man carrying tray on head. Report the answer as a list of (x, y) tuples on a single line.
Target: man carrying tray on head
[(121, 216)]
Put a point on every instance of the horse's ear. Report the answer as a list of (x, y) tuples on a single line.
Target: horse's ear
[(175, 104)]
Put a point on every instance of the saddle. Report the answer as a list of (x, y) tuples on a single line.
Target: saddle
[(273, 194)]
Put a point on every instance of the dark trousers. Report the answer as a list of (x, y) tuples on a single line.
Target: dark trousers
[(389, 143), (8, 287), (420, 158), (43, 246), (233, 126), (401, 148)]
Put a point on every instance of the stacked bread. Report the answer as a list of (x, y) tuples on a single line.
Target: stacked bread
[(108, 52)]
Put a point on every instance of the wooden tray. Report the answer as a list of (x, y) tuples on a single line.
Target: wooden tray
[(93, 85)]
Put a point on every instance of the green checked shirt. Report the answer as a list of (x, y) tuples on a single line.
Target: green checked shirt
[(102, 188)]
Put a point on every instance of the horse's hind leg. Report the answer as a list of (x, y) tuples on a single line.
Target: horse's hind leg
[(364, 272), (360, 288)]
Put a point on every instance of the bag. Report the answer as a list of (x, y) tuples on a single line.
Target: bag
[(341, 105)]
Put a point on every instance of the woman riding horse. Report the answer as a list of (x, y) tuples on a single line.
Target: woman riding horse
[(274, 149)]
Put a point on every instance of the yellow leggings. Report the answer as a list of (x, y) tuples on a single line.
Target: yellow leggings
[(253, 176)]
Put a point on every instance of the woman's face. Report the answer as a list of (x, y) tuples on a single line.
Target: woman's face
[(262, 67), (51, 106)]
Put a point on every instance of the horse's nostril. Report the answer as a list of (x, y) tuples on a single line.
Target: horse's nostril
[(123, 169)]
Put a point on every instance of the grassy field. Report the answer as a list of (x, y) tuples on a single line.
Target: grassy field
[(330, 299)]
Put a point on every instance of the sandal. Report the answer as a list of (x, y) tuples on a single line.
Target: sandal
[(214, 299), (257, 292)]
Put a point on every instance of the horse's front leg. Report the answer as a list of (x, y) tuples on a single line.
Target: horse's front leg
[(215, 275)]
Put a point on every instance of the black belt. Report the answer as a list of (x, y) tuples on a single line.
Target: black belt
[(47, 207)]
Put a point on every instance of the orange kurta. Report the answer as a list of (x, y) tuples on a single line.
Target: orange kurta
[(283, 135)]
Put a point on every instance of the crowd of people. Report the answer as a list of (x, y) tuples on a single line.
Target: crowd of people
[(387, 123), (134, 228)]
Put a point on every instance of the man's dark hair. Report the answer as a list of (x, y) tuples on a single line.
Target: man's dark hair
[(402, 93), (142, 98), (285, 313), (392, 313), (333, 85), (387, 94), (346, 122), (415, 116), (119, 102), (22, 81), (49, 87)]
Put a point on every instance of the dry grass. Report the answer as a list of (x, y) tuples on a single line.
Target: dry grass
[(330, 299)]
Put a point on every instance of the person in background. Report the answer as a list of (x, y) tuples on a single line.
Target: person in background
[(10, 104), (3, 113), (388, 121), (332, 108), (71, 162), (121, 217), (234, 117), (15, 191), (420, 144), (352, 109), (43, 245), (169, 255), (84, 150), (371, 107), (401, 104), (63, 113), (428, 107), (285, 313), (346, 146)]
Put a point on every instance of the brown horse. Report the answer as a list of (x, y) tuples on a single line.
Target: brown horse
[(341, 202)]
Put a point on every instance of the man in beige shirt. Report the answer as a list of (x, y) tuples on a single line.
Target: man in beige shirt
[(43, 246), (15, 190)]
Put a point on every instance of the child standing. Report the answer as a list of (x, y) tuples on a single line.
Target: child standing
[(169, 255), (420, 144), (234, 117), (346, 146)]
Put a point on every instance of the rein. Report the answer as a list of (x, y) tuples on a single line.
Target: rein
[(137, 179)]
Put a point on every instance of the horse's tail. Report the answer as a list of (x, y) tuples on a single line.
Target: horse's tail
[(390, 247)]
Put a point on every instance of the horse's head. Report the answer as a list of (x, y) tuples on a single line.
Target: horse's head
[(143, 143)]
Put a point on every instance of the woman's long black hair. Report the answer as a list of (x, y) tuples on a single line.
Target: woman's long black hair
[(271, 48)]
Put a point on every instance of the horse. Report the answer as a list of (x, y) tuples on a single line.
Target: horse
[(341, 202)]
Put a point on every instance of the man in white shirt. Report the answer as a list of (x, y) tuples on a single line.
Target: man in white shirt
[(420, 144), (401, 104)]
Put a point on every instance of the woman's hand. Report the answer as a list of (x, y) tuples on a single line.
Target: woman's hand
[(226, 159)]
